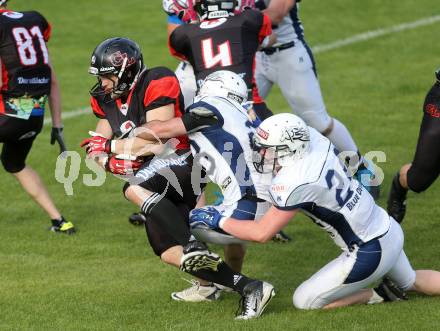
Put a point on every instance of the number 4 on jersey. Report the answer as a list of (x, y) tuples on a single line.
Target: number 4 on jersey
[(223, 56)]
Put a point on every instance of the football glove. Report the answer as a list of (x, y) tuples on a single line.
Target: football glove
[(96, 145), (57, 135), (205, 217), (183, 9), (120, 165)]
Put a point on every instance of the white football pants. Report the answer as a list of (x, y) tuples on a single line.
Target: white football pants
[(330, 283)]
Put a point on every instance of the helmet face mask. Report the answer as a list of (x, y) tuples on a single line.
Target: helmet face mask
[(268, 159), (117, 59), (226, 84)]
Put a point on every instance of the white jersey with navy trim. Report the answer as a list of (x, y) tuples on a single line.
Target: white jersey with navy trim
[(290, 28), (319, 186), (224, 149)]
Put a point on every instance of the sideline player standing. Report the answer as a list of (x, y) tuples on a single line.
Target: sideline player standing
[(127, 96), (308, 176), (290, 64), (425, 167), (27, 81)]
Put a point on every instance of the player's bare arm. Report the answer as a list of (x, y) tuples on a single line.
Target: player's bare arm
[(262, 231), (162, 129), (192, 121), (277, 9)]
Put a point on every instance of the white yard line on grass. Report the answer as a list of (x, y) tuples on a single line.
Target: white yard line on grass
[(318, 49), (375, 34), (70, 114)]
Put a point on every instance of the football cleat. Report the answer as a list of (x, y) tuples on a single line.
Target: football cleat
[(196, 256), (390, 291), (255, 299), (137, 219), (366, 176), (197, 293), (396, 203), (62, 226), (281, 237)]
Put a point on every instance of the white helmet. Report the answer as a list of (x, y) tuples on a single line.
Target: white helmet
[(224, 83), (281, 138)]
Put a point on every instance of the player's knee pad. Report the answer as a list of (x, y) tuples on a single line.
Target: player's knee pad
[(10, 166), (304, 297)]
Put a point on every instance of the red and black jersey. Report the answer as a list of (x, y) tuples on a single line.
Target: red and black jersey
[(222, 44), (155, 88), (24, 57)]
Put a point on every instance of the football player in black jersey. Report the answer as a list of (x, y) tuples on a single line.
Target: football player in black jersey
[(425, 167), (126, 96), (27, 81), (224, 41)]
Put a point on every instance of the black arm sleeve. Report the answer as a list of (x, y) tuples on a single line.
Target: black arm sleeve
[(194, 122)]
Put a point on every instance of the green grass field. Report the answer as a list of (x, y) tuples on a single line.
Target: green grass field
[(106, 276)]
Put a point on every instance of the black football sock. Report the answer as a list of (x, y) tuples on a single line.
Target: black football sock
[(398, 189), (224, 276)]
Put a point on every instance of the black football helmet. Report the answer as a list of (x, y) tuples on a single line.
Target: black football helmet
[(121, 57), (211, 9)]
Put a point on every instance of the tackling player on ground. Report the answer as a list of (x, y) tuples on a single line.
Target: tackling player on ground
[(27, 81), (309, 177)]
